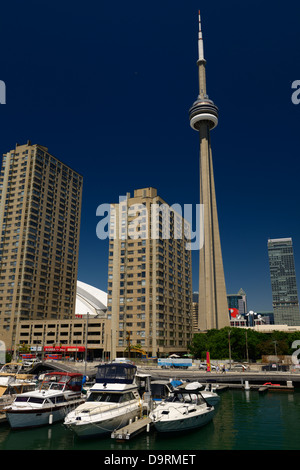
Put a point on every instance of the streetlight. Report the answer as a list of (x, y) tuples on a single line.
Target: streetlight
[(229, 345), (275, 345), (86, 334), (247, 353)]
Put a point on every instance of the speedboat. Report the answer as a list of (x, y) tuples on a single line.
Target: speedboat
[(57, 395), (184, 410), (113, 401)]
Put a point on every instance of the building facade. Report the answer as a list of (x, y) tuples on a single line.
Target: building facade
[(283, 282), (149, 276), (40, 209), (71, 337), (237, 303), (195, 311)]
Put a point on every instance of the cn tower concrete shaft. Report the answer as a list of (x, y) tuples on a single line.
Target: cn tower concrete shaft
[(213, 309)]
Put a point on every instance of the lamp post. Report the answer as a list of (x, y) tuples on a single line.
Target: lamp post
[(247, 354), (86, 334), (229, 346), (275, 346)]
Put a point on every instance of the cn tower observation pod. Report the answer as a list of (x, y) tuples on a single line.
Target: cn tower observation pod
[(203, 110)]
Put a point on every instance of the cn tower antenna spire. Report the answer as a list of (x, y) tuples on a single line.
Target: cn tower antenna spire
[(200, 40), (201, 62)]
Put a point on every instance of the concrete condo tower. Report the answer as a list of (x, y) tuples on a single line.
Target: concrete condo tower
[(213, 308)]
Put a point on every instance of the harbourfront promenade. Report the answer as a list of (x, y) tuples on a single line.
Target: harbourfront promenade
[(235, 378), (253, 376)]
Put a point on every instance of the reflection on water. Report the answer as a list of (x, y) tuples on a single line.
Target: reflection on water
[(243, 420)]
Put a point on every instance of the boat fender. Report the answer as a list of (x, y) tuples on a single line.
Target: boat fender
[(51, 418)]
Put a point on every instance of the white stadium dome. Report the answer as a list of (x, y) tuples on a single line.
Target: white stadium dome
[(90, 300)]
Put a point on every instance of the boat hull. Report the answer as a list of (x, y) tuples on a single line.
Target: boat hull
[(103, 424), (20, 419), (183, 423)]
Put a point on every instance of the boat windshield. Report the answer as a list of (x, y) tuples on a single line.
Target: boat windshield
[(110, 397), (194, 398), (30, 399), (52, 386), (11, 368)]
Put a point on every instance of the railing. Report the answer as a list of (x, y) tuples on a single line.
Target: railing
[(110, 408)]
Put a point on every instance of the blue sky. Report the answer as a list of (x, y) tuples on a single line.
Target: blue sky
[(107, 86)]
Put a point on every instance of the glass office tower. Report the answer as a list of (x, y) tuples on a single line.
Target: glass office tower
[(283, 281)]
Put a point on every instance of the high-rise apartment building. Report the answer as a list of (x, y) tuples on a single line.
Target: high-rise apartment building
[(149, 276), (40, 208), (283, 282)]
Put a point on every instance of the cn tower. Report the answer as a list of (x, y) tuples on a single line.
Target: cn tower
[(213, 308)]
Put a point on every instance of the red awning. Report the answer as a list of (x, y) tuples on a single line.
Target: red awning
[(70, 348)]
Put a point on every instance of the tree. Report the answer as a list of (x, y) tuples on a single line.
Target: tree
[(198, 346), (244, 343)]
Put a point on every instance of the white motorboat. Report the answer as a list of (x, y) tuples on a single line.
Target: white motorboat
[(113, 401), (184, 410), (57, 395)]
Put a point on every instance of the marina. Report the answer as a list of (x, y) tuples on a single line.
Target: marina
[(243, 411), (245, 420)]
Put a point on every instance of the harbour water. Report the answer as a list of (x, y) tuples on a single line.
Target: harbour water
[(244, 420)]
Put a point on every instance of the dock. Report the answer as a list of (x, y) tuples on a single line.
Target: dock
[(256, 387), (132, 429)]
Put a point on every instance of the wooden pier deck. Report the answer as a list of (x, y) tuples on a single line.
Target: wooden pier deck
[(132, 429)]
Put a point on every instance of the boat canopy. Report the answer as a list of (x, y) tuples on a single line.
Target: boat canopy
[(116, 373), (72, 380)]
